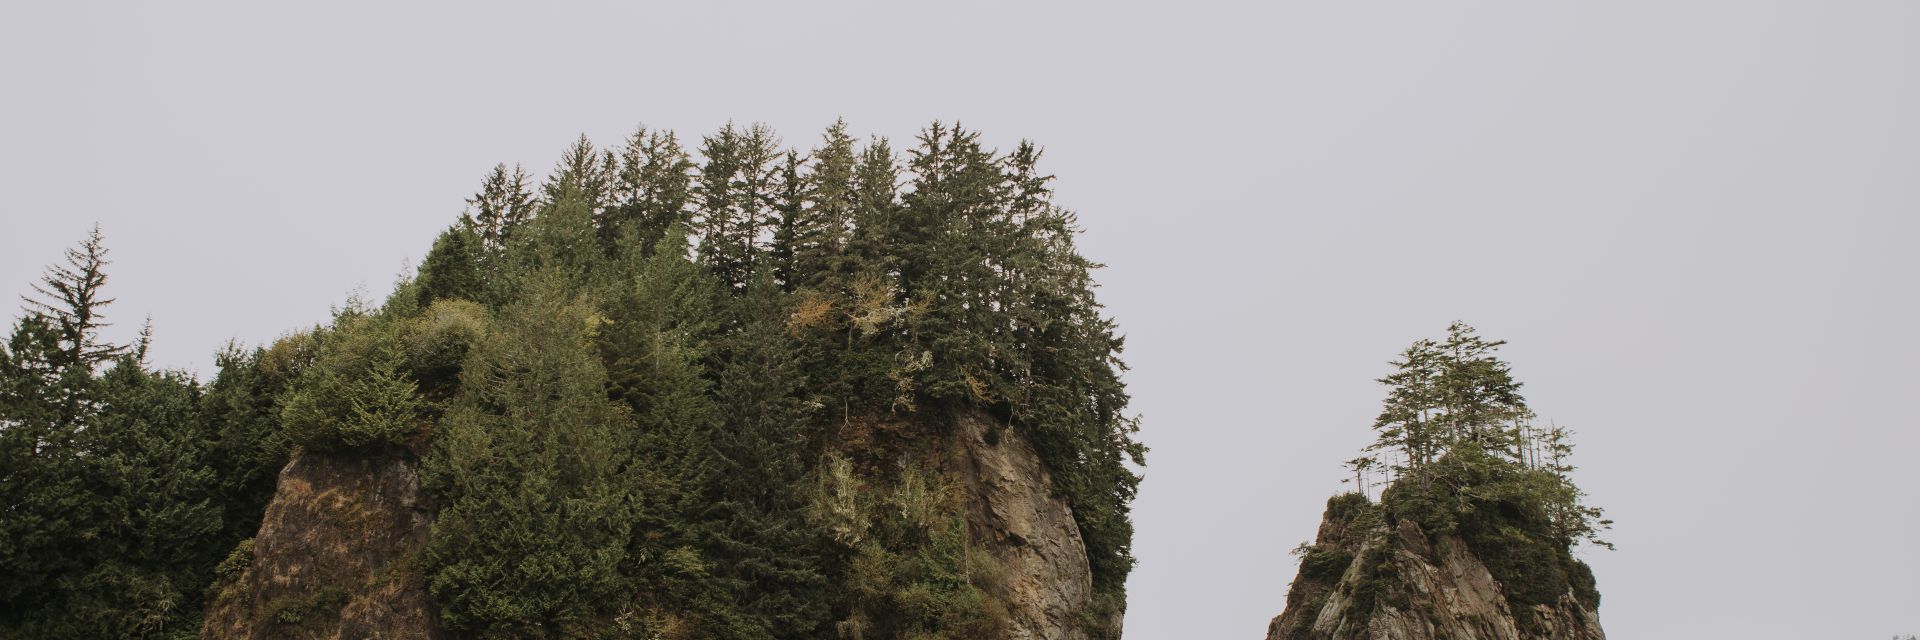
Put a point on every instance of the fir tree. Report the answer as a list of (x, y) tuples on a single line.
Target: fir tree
[(504, 203), (735, 193), (790, 216), (71, 297), (452, 269), (532, 462), (651, 191), (773, 556)]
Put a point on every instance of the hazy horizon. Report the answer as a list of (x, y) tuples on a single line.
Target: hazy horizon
[(1693, 221)]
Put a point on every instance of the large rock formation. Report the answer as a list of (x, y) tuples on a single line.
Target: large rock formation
[(335, 556), (1364, 580)]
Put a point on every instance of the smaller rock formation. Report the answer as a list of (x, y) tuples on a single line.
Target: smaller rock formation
[(1365, 579), (335, 556)]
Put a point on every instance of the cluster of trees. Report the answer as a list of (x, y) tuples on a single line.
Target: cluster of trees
[(1454, 410), (670, 392), (121, 486)]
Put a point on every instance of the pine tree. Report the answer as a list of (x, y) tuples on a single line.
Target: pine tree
[(876, 213), (583, 174), (949, 260)]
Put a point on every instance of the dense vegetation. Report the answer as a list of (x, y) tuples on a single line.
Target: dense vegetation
[(662, 393), (120, 486), (1458, 453)]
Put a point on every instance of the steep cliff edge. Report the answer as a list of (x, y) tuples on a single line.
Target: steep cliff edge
[(1366, 578), (1015, 516), (334, 557)]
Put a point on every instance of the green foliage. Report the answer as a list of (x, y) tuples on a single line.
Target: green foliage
[(1503, 512), (623, 390), (911, 572), (1458, 429), (236, 561), (532, 463), (1460, 456), (1324, 564), (112, 480), (452, 269), (1377, 581), (356, 392)]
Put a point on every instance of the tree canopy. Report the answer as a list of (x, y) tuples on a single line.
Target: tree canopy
[(640, 390)]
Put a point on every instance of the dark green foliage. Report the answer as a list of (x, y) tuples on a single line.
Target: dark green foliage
[(242, 414), (772, 559), (504, 203), (1377, 580), (452, 270), (115, 506), (736, 196), (620, 434), (532, 463), (357, 392), (1324, 564), (1497, 508)]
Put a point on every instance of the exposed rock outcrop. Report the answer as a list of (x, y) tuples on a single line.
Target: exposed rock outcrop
[(1013, 512), (1361, 582), (335, 555)]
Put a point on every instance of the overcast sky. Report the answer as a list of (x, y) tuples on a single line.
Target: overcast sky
[(1695, 222)]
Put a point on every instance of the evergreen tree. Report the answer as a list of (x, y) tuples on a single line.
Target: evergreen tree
[(790, 216), (583, 174), (735, 194), (504, 203), (71, 297), (532, 463), (452, 269), (248, 447), (876, 212), (821, 240), (651, 192), (773, 557)]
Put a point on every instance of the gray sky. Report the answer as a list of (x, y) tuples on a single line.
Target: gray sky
[(1694, 221)]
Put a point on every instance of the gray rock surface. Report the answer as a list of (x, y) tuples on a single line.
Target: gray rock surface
[(1013, 512)]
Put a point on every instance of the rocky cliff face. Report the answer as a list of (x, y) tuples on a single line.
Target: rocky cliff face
[(334, 557), (1362, 580), (1014, 514)]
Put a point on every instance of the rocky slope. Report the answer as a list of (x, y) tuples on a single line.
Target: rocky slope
[(1362, 579), (334, 555)]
